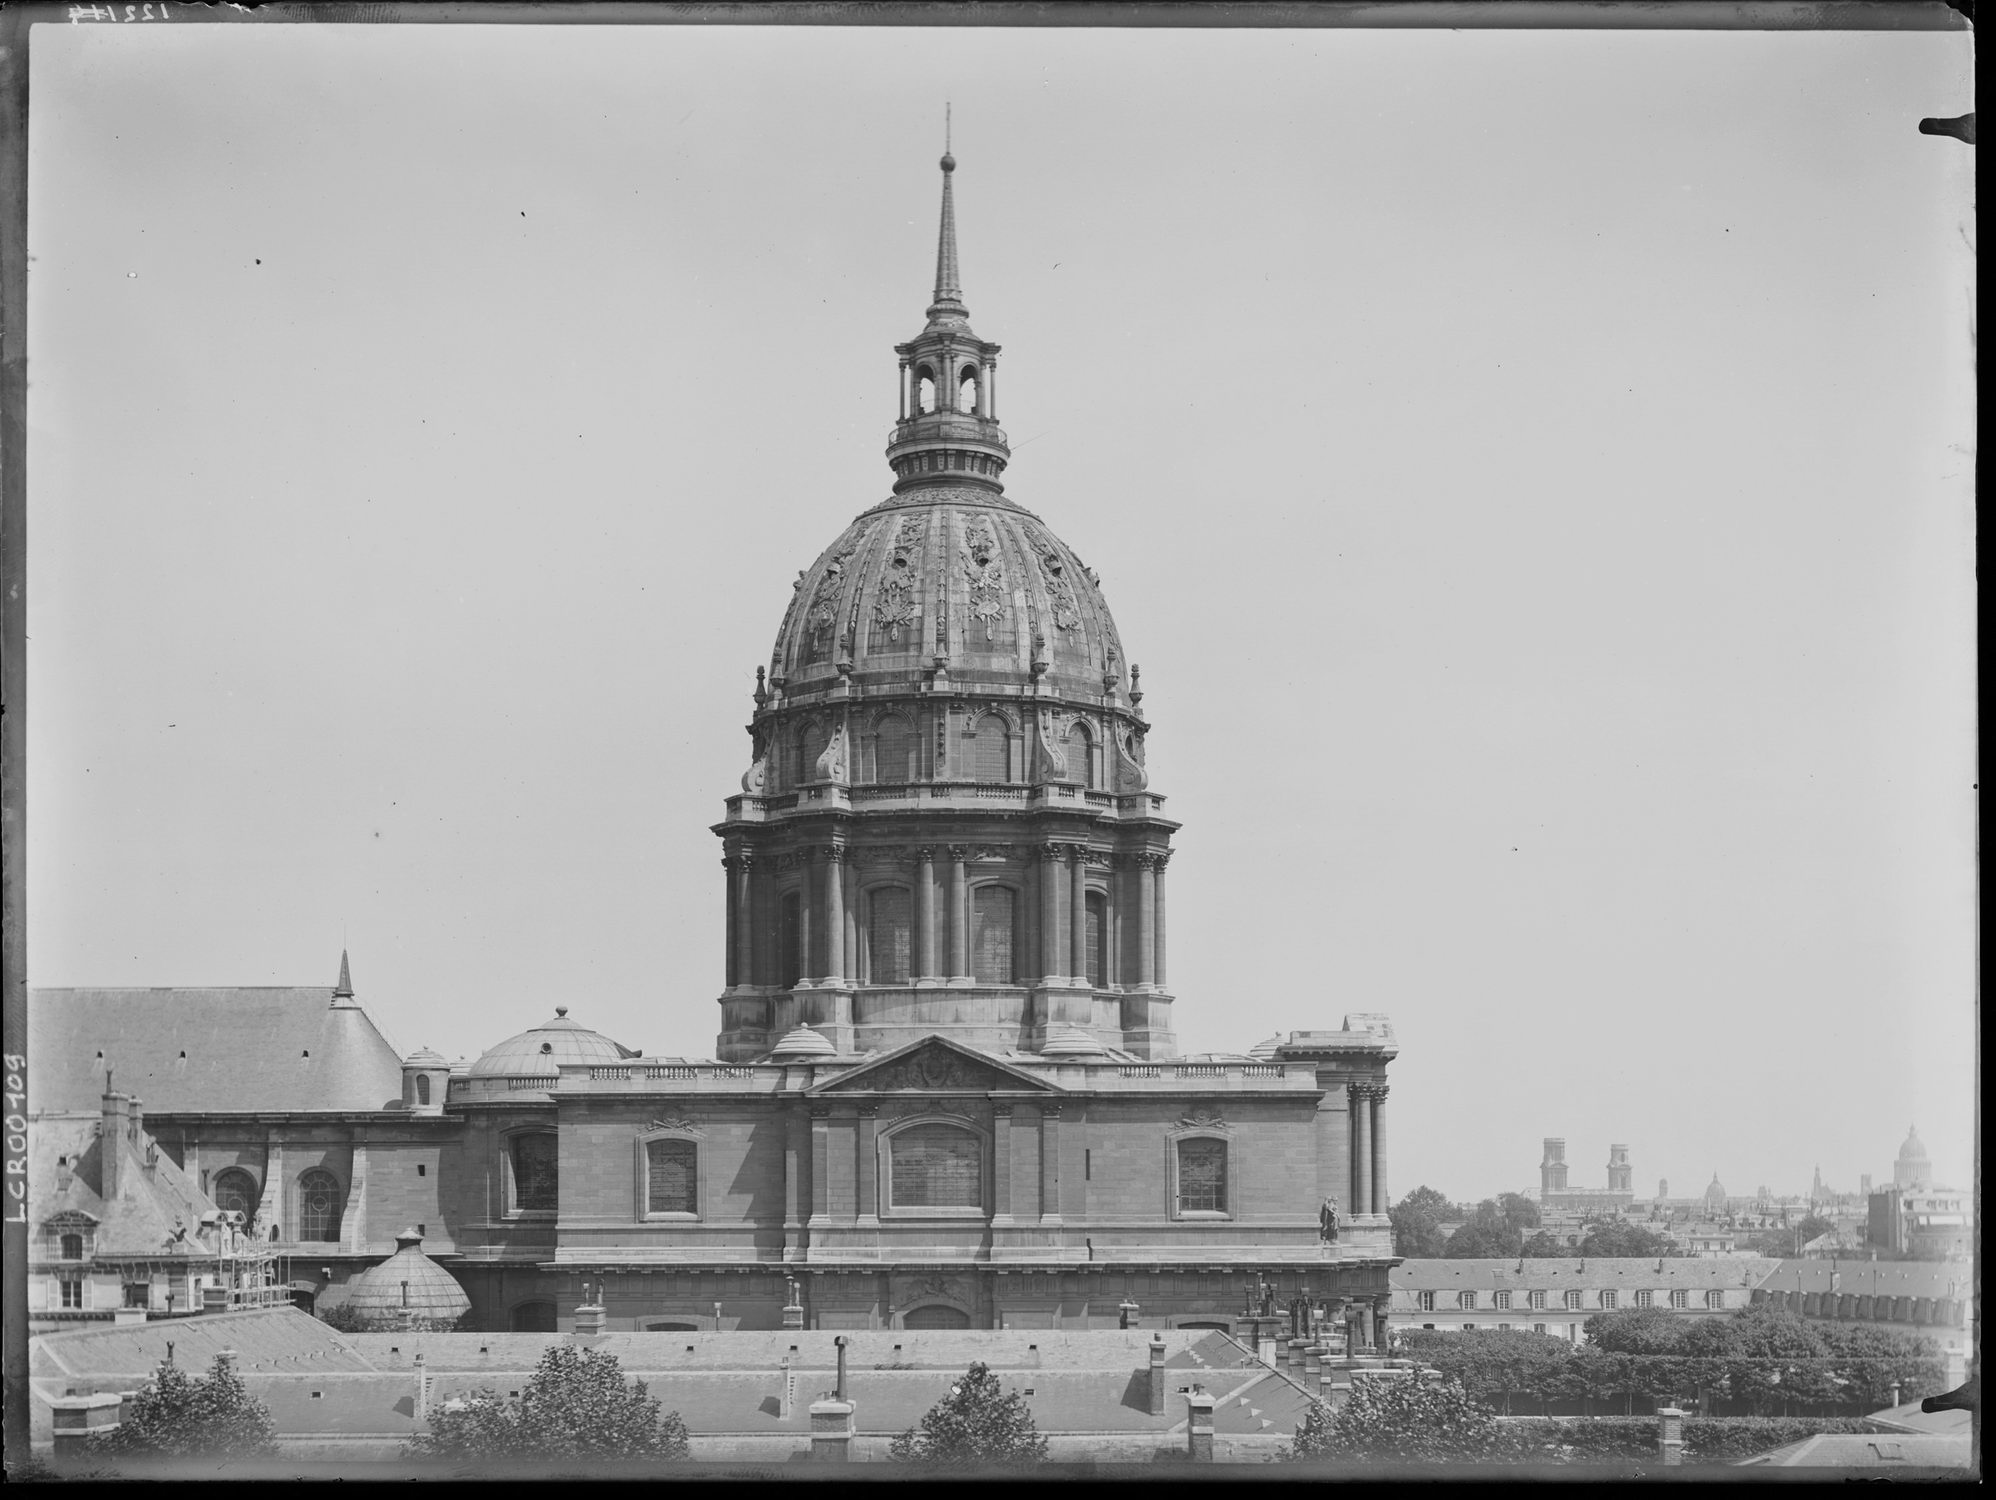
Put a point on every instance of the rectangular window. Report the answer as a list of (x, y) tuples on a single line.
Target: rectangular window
[(1645, 1299), (1503, 1327), (1426, 1300), (1680, 1298), (1608, 1297), (991, 910), (936, 1166), (1501, 1301), (71, 1288), (138, 1294), (1536, 1299), (1202, 1176), (1096, 916), (1465, 1299), (1538, 1328), (670, 1177), (1715, 1299), (1573, 1299), (536, 1158), (889, 928)]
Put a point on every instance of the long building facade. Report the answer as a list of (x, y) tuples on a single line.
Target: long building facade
[(946, 1090)]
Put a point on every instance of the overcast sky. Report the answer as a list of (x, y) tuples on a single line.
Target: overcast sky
[(1533, 471)]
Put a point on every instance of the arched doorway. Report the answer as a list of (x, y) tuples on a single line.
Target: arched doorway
[(532, 1317), (935, 1315)]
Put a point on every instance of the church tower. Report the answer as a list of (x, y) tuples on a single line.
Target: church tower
[(946, 827)]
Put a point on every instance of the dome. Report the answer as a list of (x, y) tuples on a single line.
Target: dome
[(1265, 1051), (802, 1042), (423, 1057), (1070, 1041), (433, 1293), (953, 571), (540, 1053), (1914, 1149)]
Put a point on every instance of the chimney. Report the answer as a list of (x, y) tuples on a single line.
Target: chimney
[(1670, 1434), (422, 1389), (589, 1320), (135, 1115), (840, 1390), (1199, 1425), (1157, 1375), (110, 1145)]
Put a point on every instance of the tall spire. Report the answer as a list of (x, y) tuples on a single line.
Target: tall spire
[(949, 289), (344, 989)]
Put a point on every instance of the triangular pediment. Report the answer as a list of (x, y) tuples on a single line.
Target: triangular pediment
[(935, 1065)]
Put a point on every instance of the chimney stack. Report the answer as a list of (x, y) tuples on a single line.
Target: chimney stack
[(1670, 1434), (1157, 1376), (1199, 1425), (111, 1144)]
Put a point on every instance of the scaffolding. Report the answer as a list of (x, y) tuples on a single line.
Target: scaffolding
[(248, 1266)]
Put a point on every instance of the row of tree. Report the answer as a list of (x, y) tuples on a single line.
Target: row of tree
[(1505, 1228), (1768, 1360)]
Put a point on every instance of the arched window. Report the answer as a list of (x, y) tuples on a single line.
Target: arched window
[(72, 1247), (936, 1166), (894, 751), (992, 760), (319, 1203), (889, 928), (536, 1162), (966, 391), (792, 933), (235, 1191), (1202, 1176), (670, 1177), (1098, 948), (925, 389), (1080, 750), (992, 909), (812, 743)]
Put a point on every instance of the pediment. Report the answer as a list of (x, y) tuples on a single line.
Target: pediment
[(935, 1065)]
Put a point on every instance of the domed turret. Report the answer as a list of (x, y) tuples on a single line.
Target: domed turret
[(1913, 1168), (425, 1082), (800, 1044), (541, 1052), (946, 786), (407, 1285)]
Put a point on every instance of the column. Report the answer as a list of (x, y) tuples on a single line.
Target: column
[(835, 912), (925, 913), (868, 1207), (805, 970), (1049, 1163), (1361, 1146), (1147, 921), (959, 913), (1380, 1201), (1078, 916), (1001, 1163), (849, 885), (991, 386), (734, 920), (744, 867), (903, 392), (1157, 920), (1050, 963)]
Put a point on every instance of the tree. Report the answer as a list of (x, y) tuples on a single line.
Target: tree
[(1416, 1222), (978, 1423), (1518, 1211), (1543, 1245), (1496, 1231), (179, 1415), (1407, 1418), (1618, 1238), (575, 1405)]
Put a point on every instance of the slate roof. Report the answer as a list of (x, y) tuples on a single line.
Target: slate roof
[(1558, 1274), (271, 1339), (1909, 1418), (258, 1049), (1857, 1450), (157, 1209), (1869, 1278)]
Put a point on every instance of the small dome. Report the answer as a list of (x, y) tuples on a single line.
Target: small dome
[(1070, 1041), (801, 1042), (1262, 1051), (432, 1292), (423, 1057), (541, 1052)]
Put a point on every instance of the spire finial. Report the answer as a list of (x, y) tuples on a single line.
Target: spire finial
[(949, 290), (344, 989)]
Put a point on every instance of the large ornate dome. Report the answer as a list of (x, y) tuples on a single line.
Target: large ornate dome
[(956, 573)]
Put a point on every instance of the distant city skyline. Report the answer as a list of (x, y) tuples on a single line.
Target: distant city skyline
[(1533, 470)]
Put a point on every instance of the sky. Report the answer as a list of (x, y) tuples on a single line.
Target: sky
[(1532, 469)]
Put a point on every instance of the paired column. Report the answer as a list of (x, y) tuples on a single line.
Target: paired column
[(848, 899), (1078, 916), (1361, 1148), (734, 921), (959, 914), (806, 957), (835, 912), (743, 868), (1050, 947), (1147, 920), (925, 914), (1157, 920), (1381, 1202)]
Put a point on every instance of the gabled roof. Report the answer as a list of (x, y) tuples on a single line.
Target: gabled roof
[(934, 1065), (192, 1051)]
